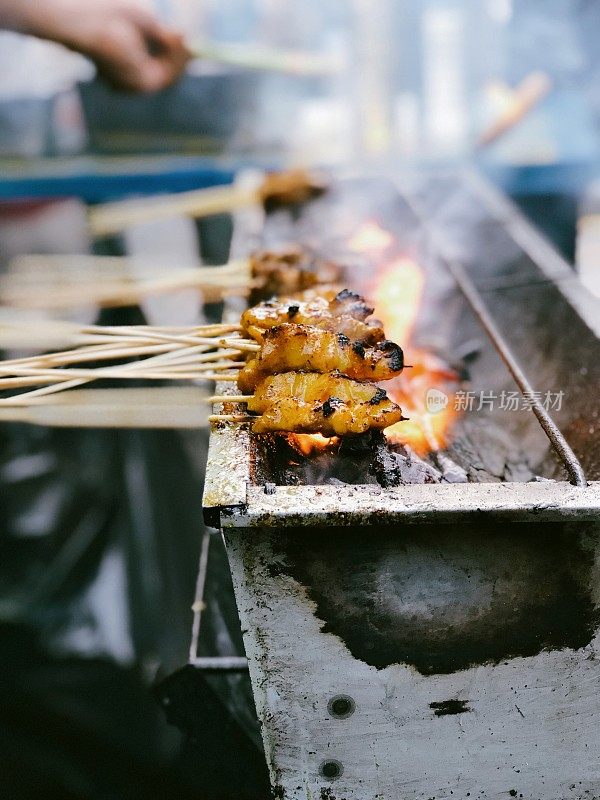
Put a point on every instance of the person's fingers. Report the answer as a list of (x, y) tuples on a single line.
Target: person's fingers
[(143, 56)]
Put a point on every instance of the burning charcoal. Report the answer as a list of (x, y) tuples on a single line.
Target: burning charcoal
[(361, 444), (400, 466), (293, 460)]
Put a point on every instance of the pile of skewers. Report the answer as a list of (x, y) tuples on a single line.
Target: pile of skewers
[(59, 282), (308, 359), (318, 365), (314, 356)]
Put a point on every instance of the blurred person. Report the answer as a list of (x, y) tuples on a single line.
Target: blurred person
[(131, 48)]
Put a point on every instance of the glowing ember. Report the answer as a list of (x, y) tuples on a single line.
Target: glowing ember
[(310, 444), (370, 238)]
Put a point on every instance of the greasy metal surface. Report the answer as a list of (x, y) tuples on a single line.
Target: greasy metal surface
[(559, 443), (228, 464), (471, 656), (546, 317), (552, 265), (341, 506)]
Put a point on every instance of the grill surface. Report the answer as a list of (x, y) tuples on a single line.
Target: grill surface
[(479, 255), (433, 661)]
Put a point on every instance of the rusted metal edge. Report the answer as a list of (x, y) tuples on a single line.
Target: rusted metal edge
[(301, 506)]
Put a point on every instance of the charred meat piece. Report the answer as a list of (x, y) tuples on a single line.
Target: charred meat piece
[(291, 187), (327, 291), (345, 314), (350, 304), (291, 270), (314, 403), (290, 347)]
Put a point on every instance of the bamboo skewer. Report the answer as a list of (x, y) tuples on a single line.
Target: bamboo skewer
[(164, 361), (111, 218), (116, 408), (527, 95), (32, 332), (291, 186), (259, 57), (177, 354), (41, 282)]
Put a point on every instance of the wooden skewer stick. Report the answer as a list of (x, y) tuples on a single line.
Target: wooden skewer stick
[(135, 347), (293, 62), (231, 418), (85, 267), (129, 290), (33, 332), (196, 356), (230, 398), (240, 344), (531, 91), (115, 408), (293, 186), (38, 377)]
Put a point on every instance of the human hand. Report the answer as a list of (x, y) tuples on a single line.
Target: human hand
[(131, 48)]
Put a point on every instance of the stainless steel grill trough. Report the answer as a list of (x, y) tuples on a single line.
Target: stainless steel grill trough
[(434, 640)]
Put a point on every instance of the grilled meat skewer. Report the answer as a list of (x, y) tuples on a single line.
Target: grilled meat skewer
[(315, 403), (290, 271), (345, 314), (290, 347)]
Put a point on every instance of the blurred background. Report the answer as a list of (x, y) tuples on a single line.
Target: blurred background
[(101, 531)]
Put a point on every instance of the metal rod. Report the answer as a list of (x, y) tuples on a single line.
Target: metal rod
[(558, 441), (469, 290), (199, 604), (221, 663)]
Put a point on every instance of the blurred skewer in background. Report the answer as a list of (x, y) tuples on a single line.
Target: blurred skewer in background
[(60, 282), (268, 59), (283, 188), (518, 104)]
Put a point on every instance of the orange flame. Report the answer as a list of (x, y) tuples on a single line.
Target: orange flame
[(311, 443), (425, 391)]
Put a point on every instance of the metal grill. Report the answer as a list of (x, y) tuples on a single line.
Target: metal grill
[(434, 659), (233, 490)]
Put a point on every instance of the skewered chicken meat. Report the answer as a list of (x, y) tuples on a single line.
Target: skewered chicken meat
[(314, 403), (345, 314), (291, 187), (291, 270), (326, 291), (290, 347)]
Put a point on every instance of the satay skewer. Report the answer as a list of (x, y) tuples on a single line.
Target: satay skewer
[(293, 186), (230, 398), (48, 282), (115, 408), (33, 332)]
